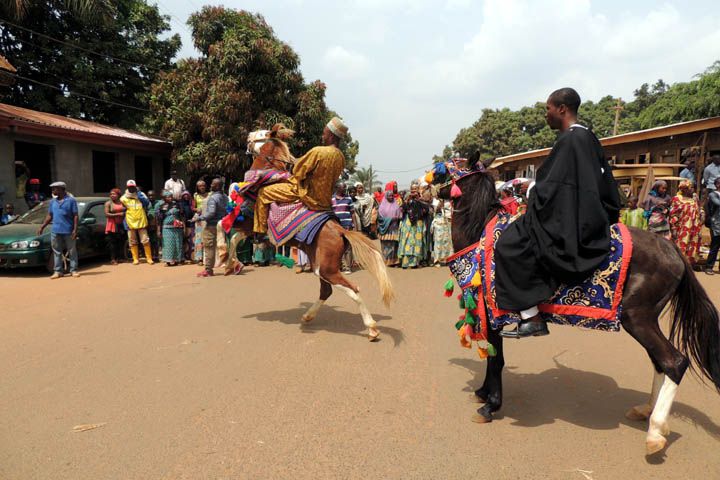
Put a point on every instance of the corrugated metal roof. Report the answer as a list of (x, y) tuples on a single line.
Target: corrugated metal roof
[(639, 135), (65, 123)]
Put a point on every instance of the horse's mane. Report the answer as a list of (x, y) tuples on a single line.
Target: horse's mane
[(478, 200)]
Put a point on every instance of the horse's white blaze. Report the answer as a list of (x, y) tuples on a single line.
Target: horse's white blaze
[(312, 311), (658, 420), (364, 312)]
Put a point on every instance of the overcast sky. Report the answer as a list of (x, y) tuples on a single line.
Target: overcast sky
[(406, 75)]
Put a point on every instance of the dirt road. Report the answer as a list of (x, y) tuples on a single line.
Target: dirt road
[(215, 378)]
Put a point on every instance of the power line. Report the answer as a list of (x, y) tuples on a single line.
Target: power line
[(404, 171), (68, 92), (71, 45)]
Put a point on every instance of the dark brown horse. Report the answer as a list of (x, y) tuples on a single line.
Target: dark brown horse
[(327, 249), (658, 275)]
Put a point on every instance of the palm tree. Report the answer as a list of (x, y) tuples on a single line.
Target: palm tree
[(366, 176), (87, 9)]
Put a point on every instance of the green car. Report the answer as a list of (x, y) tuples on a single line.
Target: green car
[(21, 246)]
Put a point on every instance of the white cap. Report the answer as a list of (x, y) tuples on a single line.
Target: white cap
[(131, 183), (58, 184)]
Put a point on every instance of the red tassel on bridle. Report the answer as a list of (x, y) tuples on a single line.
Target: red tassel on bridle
[(455, 191)]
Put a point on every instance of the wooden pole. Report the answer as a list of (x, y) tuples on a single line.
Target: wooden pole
[(618, 108), (699, 168)]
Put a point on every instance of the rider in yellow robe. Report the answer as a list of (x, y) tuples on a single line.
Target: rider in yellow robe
[(313, 180)]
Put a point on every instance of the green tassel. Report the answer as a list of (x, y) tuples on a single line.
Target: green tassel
[(284, 261), (491, 350), (469, 319), (459, 324), (462, 302), (470, 303), (449, 287)]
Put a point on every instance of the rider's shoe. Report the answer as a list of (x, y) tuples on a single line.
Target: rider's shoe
[(527, 328)]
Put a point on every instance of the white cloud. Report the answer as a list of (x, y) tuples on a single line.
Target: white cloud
[(343, 63)]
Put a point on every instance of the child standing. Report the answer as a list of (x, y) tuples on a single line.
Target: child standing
[(634, 216)]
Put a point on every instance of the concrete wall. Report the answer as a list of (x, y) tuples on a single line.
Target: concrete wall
[(72, 163)]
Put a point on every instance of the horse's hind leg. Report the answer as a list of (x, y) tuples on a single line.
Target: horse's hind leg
[(325, 292), (642, 325), (351, 291)]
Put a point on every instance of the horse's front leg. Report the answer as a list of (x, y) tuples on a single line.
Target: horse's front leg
[(492, 386)]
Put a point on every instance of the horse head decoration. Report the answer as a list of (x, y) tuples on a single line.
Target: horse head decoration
[(267, 149)]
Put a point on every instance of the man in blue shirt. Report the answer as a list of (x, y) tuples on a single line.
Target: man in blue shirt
[(711, 172), (63, 213)]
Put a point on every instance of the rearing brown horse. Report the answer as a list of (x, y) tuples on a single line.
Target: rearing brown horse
[(658, 275), (327, 249)]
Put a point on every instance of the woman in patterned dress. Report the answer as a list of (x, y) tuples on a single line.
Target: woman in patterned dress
[(686, 220), (657, 207), (441, 229), (411, 247), (389, 215), (171, 226)]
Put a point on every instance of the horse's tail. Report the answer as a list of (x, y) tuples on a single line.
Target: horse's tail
[(695, 326), (369, 257)]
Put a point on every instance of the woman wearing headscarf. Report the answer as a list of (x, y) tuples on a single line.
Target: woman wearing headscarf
[(171, 226), (657, 208), (411, 246), (114, 229), (389, 215), (366, 209), (686, 220)]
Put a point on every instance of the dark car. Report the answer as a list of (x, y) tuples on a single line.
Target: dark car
[(21, 246)]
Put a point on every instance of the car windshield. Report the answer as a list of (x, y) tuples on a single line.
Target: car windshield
[(38, 214)]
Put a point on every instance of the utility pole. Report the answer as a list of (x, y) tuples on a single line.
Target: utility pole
[(618, 108)]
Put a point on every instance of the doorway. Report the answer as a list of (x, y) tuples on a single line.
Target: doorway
[(38, 159)]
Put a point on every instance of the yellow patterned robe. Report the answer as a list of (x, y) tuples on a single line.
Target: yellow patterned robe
[(312, 182)]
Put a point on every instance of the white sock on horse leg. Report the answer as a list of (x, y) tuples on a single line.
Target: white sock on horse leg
[(529, 313), (658, 379), (658, 419), (313, 310), (364, 312)]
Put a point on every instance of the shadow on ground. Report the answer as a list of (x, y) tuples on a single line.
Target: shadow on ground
[(329, 319), (586, 399)]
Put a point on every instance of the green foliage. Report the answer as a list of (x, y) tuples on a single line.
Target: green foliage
[(126, 34), (246, 79), (505, 132), (367, 176)]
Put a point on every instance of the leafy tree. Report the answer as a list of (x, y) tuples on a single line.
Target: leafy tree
[(367, 176), (245, 79), (19, 9), (114, 61)]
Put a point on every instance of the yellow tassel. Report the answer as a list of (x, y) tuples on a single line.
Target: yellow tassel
[(429, 177), (476, 280), (482, 353)]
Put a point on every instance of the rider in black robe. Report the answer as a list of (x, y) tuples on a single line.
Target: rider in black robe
[(565, 234)]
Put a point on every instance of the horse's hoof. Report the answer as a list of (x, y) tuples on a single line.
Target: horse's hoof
[(374, 335), (665, 429), (475, 398), (655, 444), (308, 318), (639, 413), (479, 418)]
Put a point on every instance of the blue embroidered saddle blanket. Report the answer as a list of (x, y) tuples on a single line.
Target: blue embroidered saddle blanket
[(594, 303)]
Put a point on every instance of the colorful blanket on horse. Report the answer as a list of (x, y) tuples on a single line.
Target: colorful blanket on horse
[(294, 220), (244, 194), (594, 303)]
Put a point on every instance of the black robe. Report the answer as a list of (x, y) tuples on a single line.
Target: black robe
[(565, 234)]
